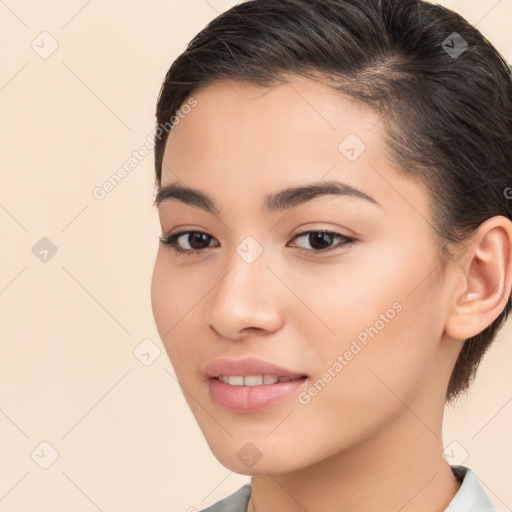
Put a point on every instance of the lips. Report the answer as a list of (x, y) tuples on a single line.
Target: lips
[(249, 385), (248, 367)]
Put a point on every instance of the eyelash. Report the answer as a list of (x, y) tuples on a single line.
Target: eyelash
[(172, 242)]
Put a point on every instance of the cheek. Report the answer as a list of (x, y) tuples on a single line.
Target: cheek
[(160, 295), (360, 388), (372, 327), (172, 302)]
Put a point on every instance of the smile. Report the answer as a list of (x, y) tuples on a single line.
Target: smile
[(252, 380)]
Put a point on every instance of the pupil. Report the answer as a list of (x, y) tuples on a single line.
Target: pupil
[(197, 237), (318, 237)]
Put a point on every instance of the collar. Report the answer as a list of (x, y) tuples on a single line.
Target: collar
[(470, 497)]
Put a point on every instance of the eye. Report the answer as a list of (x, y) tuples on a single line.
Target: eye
[(197, 241), (318, 240)]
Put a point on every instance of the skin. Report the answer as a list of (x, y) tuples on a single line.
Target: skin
[(372, 438)]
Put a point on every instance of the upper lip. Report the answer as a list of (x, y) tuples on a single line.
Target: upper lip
[(248, 366)]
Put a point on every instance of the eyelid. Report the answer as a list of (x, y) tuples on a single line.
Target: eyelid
[(171, 241), (348, 240)]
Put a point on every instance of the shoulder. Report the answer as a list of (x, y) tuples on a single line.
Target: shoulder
[(236, 502), (470, 497)]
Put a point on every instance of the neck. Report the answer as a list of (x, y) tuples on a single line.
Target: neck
[(400, 468)]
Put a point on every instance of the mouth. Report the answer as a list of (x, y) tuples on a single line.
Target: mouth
[(251, 393), (250, 384), (249, 368), (256, 380)]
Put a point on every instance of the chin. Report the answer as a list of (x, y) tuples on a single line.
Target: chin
[(246, 459)]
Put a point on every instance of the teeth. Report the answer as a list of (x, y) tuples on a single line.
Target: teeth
[(252, 380)]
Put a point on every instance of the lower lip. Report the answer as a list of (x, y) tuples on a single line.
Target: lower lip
[(251, 398)]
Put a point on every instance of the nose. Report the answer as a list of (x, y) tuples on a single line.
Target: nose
[(246, 299)]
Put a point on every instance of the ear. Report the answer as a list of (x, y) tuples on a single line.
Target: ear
[(486, 270)]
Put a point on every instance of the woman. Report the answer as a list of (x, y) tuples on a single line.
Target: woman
[(334, 197)]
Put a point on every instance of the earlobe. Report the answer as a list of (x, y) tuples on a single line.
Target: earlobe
[(487, 274)]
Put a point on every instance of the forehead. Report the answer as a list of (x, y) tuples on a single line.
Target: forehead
[(272, 126), (301, 106), (245, 141)]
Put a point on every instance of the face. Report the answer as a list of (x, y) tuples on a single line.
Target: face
[(358, 310)]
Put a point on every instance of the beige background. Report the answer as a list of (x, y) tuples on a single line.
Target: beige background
[(125, 438)]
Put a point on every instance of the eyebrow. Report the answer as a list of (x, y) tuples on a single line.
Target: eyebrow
[(282, 200)]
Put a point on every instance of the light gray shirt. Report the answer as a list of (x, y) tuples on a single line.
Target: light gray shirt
[(469, 498)]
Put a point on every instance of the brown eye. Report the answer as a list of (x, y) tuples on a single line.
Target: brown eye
[(320, 241), (196, 240)]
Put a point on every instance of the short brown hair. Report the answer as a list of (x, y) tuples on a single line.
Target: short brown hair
[(445, 94)]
